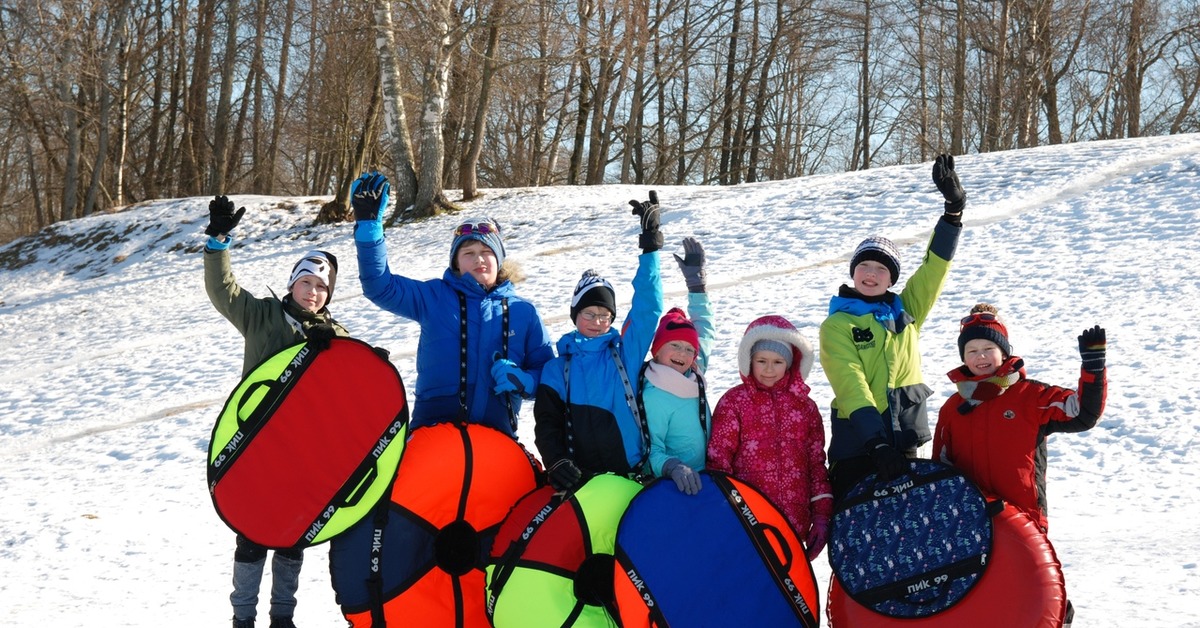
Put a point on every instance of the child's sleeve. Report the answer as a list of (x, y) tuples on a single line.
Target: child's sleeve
[(821, 503), (237, 305), (391, 292), (726, 436), (942, 435), (638, 332), (1070, 411), (701, 314), (550, 419), (922, 289)]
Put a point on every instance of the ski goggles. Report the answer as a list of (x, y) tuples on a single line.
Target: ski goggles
[(478, 228), (978, 317)]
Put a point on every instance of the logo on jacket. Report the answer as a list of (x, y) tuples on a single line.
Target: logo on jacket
[(862, 337), (1010, 415)]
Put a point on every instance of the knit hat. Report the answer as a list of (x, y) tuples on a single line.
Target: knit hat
[(593, 289), (790, 343), (675, 325), (877, 249), (320, 264), (983, 324), (774, 346), (485, 230)]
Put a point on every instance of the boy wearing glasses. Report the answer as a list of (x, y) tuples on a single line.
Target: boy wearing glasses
[(482, 347), (587, 416), (870, 353)]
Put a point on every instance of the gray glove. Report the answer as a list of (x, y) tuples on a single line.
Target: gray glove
[(692, 265), (685, 478)]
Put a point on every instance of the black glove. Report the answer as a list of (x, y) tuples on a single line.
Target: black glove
[(383, 353), (947, 183), (1092, 346), (369, 196), (221, 217), (889, 463), (319, 336), (651, 239), (692, 265), (564, 475)]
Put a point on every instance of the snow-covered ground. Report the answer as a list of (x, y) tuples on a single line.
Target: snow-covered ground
[(113, 365)]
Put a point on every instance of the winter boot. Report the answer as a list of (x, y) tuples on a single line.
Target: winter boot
[(282, 622), (243, 623)]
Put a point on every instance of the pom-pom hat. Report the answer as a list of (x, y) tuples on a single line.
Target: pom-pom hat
[(593, 289), (983, 324)]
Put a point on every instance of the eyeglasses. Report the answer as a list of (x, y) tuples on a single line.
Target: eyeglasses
[(681, 347), (481, 228), (986, 317), (603, 319)]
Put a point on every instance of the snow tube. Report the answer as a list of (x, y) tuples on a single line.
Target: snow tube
[(552, 561), (914, 546), (419, 559), (723, 557), (1023, 586), (307, 443)]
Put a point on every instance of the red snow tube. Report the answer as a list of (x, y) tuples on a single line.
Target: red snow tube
[(307, 443), (419, 559), (1022, 586)]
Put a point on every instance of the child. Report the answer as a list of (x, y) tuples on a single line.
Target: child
[(673, 399), (994, 428), (586, 414), (869, 349), (768, 431), (482, 347), (269, 325)]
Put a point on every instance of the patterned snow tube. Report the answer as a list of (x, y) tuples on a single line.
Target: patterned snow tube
[(723, 557), (419, 559), (552, 563), (1023, 586), (912, 547), (307, 444)]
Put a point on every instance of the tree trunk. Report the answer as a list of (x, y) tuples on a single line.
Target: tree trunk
[(468, 180), (220, 154), (429, 200), (404, 180)]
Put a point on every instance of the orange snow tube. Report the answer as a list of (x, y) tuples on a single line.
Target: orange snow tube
[(419, 559)]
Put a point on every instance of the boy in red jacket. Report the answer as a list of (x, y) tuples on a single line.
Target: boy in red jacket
[(994, 428)]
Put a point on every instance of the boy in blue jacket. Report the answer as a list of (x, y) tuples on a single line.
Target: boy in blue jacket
[(482, 347), (586, 413)]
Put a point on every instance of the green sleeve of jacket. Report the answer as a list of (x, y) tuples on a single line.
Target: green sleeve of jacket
[(923, 288)]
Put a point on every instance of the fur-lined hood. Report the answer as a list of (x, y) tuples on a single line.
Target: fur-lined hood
[(777, 328)]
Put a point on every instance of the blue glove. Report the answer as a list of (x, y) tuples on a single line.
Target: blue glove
[(510, 378), (686, 479), (369, 198)]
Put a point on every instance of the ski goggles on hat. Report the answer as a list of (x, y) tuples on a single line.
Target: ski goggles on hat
[(479, 228), (978, 317)]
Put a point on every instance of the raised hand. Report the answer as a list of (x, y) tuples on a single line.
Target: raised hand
[(651, 238), (369, 196), (1092, 348), (947, 183), (692, 265), (221, 217)]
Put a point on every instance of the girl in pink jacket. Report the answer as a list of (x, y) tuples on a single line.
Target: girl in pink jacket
[(768, 432)]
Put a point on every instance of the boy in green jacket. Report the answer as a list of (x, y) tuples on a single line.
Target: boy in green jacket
[(870, 354)]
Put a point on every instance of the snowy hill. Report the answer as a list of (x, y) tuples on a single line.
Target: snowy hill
[(113, 365)]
